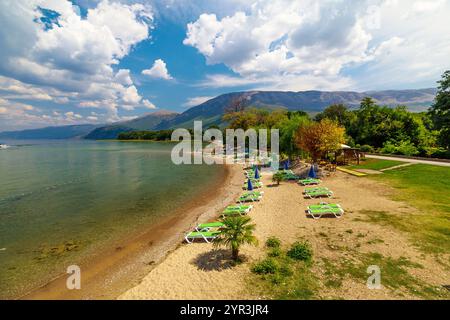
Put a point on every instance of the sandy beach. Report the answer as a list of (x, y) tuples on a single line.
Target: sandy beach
[(119, 268), (196, 271)]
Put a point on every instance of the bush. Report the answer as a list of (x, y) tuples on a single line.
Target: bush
[(275, 252), (267, 266), (367, 148), (301, 251), (273, 242), (404, 147)]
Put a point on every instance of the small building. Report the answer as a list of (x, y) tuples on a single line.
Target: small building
[(348, 154)]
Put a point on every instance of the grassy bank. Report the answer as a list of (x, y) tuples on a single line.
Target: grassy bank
[(425, 187)]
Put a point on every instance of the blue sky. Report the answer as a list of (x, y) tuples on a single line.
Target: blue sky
[(67, 62)]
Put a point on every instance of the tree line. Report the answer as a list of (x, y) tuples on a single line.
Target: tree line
[(371, 127)]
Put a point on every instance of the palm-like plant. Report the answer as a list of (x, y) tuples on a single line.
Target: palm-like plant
[(236, 232)]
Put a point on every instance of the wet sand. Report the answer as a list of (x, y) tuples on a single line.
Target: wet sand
[(119, 268)]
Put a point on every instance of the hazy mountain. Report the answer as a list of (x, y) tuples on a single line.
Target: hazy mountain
[(63, 132), (211, 111), (146, 122)]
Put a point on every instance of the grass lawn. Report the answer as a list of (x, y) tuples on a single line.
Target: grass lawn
[(376, 164), (427, 188)]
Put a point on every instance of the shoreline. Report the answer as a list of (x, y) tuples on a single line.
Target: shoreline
[(119, 268)]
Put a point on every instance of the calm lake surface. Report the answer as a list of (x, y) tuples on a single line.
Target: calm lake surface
[(61, 201)]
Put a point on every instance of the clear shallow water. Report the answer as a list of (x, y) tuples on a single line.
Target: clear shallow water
[(61, 201)]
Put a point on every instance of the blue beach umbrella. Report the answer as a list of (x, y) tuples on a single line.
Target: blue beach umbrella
[(312, 173), (256, 173), (249, 185), (286, 165)]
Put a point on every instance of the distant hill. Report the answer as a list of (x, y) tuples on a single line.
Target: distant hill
[(146, 122), (63, 132), (211, 111)]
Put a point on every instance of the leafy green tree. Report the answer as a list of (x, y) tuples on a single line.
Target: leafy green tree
[(337, 112), (440, 111), (236, 232), (288, 129), (278, 177)]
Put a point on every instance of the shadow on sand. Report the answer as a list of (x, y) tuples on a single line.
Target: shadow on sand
[(215, 260)]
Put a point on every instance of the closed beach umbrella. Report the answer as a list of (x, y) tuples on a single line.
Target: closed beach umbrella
[(286, 165), (249, 185), (256, 173), (312, 173)]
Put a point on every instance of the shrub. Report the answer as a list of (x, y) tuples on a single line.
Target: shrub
[(273, 242), (266, 266), (275, 252), (301, 251), (404, 147)]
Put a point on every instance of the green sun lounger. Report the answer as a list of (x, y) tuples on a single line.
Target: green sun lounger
[(256, 185), (236, 210), (204, 227), (308, 182), (250, 197), (317, 211), (315, 189), (319, 194), (206, 236)]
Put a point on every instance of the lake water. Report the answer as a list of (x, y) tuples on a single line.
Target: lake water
[(61, 201)]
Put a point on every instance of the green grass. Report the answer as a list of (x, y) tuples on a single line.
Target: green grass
[(394, 274), (426, 188), (375, 164), (283, 278)]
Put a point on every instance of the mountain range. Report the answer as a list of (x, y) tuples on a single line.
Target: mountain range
[(211, 111)]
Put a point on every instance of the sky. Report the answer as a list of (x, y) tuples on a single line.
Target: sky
[(71, 62)]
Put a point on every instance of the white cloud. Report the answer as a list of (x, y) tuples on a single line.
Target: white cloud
[(276, 42), (158, 71), (195, 101), (72, 58), (148, 104)]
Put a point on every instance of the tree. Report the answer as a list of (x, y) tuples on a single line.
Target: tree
[(440, 111), (288, 129), (278, 177), (236, 232), (318, 138), (336, 112)]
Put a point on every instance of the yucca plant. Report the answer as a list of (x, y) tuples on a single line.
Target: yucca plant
[(236, 232)]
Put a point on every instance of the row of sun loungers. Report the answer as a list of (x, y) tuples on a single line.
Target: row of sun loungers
[(209, 231)]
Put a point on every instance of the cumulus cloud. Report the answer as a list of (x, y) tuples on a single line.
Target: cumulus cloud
[(50, 52), (287, 42), (158, 70)]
